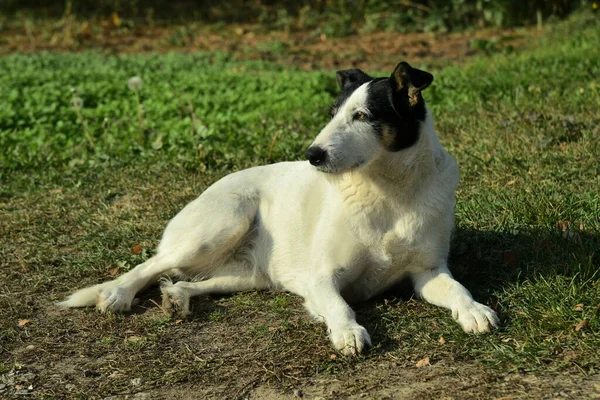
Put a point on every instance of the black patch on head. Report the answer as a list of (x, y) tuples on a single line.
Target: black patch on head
[(395, 121), (348, 80), (348, 77), (395, 104)]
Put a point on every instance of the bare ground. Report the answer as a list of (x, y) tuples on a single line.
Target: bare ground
[(303, 49)]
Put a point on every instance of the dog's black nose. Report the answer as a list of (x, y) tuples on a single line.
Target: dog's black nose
[(316, 155)]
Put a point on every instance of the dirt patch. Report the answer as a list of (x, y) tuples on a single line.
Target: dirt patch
[(237, 347), (306, 50)]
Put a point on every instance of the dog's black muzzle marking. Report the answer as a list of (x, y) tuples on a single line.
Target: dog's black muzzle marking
[(316, 155)]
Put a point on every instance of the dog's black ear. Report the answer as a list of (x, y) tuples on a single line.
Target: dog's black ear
[(347, 77), (408, 81)]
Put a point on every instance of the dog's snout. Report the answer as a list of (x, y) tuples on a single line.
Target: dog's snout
[(316, 155)]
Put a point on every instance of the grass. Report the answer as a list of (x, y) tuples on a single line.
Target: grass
[(524, 127)]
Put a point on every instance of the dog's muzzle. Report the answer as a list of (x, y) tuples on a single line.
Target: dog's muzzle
[(316, 155)]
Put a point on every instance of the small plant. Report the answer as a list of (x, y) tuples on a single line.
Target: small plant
[(135, 84), (77, 106)]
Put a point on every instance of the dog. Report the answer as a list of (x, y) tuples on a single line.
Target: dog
[(372, 204)]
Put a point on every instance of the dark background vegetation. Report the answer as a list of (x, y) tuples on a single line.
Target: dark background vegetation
[(337, 17)]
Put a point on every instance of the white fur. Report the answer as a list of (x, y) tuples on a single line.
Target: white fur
[(332, 238), (349, 143)]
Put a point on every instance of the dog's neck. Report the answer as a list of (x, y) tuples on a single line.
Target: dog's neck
[(408, 170)]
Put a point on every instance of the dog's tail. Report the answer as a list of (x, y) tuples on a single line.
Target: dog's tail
[(84, 297)]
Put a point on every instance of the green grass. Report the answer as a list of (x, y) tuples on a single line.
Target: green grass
[(524, 127)]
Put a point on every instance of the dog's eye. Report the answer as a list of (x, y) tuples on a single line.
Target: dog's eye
[(359, 116)]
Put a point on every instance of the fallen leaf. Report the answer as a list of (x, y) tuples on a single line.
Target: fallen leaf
[(137, 249), (114, 271), (578, 307), (563, 225), (422, 363), (510, 258), (22, 322), (333, 356), (178, 321), (512, 182), (582, 324), (442, 340), (133, 339), (19, 387)]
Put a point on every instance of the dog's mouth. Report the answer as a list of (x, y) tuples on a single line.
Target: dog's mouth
[(332, 169)]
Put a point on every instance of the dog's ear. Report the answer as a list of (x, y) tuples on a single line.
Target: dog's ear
[(347, 77), (408, 82)]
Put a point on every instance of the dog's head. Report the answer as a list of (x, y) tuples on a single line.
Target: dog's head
[(370, 116)]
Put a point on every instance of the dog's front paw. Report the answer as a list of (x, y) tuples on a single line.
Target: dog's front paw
[(116, 299), (476, 318), (175, 300), (351, 339)]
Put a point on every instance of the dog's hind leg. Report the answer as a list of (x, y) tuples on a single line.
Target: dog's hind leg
[(118, 294), (198, 239), (235, 277)]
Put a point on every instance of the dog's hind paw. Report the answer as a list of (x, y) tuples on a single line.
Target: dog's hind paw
[(116, 299), (175, 300), (476, 318), (350, 340)]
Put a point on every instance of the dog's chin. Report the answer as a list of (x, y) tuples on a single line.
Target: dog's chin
[(333, 169)]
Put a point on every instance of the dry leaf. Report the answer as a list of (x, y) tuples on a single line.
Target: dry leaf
[(137, 249), (113, 271), (578, 307), (582, 324), (512, 182), (178, 321), (333, 356), (115, 19), (22, 322), (563, 225), (442, 340), (133, 339), (422, 363)]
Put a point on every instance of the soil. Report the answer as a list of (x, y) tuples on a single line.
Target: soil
[(304, 49)]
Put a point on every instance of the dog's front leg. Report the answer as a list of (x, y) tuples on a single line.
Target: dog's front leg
[(438, 287), (325, 301)]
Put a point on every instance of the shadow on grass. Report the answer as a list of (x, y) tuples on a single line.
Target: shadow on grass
[(486, 261), (496, 267)]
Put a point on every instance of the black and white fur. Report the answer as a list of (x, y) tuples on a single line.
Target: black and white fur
[(373, 204)]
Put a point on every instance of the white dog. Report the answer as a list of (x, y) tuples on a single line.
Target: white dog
[(374, 204)]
